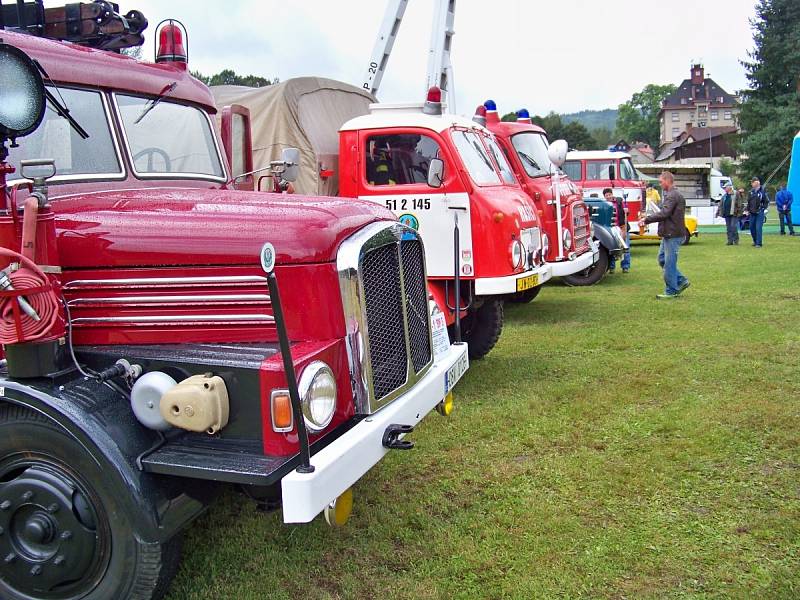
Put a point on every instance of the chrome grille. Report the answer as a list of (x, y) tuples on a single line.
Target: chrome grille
[(416, 303), (383, 302), (580, 219)]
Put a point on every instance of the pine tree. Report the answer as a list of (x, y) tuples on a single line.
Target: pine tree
[(770, 114)]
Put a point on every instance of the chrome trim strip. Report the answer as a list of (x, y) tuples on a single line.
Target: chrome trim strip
[(348, 263), (165, 281), (167, 319), (222, 298), (212, 130)]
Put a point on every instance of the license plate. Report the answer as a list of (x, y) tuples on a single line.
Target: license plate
[(526, 283), (455, 373)]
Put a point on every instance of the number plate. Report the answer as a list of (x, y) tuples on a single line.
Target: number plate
[(455, 373), (526, 283)]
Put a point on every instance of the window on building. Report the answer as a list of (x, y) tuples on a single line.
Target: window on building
[(703, 109), (714, 115), (675, 116), (720, 99), (675, 132), (728, 115), (683, 100)]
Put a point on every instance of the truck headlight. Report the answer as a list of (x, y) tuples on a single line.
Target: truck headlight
[(317, 388), (517, 251), (567, 239)]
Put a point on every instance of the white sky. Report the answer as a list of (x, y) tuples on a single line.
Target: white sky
[(563, 56)]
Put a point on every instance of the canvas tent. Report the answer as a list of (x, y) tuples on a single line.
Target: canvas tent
[(304, 113)]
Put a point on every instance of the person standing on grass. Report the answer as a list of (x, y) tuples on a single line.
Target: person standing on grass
[(621, 213), (671, 228), (783, 202), (730, 208), (757, 204)]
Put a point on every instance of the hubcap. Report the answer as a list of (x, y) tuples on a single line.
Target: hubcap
[(49, 543)]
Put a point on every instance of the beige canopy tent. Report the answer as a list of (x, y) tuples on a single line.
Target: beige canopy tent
[(304, 113)]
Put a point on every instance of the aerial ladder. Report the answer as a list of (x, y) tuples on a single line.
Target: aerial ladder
[(440, 69)]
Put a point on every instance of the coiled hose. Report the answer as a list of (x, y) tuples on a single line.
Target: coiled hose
[(42, 297)]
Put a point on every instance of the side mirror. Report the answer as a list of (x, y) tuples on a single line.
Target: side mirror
[(612, 172), (290, 157), (558, 152), (436, 173), (22, 94)]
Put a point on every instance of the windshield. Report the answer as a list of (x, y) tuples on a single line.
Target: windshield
[(573, 169), (475, 159), (598, 169), (75, 157), (626, 170), (532, 151), (505, 169), (170, 138)]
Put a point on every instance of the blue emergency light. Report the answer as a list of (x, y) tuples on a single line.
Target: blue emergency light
[(490, 105), (523, 113)]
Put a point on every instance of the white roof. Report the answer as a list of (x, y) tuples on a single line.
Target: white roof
[(407, 115), (595, 154)]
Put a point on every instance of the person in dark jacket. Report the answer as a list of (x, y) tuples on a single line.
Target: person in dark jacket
[(730, 208), (757, 204), (783, 202), (671, 228), (621, 218)]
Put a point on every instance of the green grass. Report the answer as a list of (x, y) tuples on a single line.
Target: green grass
[(611, 446)]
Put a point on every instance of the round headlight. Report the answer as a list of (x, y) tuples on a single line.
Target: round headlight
[(517, 251), (21, 95), (567, 239), (317, 389), (545, 245)]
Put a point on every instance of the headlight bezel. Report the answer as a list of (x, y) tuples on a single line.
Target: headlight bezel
[(306, 386), (518, 246), (566, 239)]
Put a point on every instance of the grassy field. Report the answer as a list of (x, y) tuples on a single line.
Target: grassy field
[(611, 446)]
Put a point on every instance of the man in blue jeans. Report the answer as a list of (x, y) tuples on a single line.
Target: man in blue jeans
[(671, 228), (757, 205), (783, 202)]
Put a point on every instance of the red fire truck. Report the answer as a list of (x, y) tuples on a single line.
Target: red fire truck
[(439, 172), (149, 354), (569, 248)]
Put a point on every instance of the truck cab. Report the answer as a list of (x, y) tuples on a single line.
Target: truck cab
[(164, 333), (446, 177), (565, 219)]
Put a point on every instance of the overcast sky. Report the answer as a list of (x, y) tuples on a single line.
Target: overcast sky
[(563, 56)]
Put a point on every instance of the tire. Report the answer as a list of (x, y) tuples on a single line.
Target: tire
[(591, 275), (526, 296), (482, 328), (687, 237), (70, 533)]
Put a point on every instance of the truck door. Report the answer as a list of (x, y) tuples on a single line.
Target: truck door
[(394, 173)]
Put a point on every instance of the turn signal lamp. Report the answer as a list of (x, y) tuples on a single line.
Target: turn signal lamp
[(281, 409), (498, 217), (480, 115), (171, 43), (433, 102)]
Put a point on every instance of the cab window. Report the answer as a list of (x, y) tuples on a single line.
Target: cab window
[(573, 169), (475, 158), (626, 170), (75, 157), (599, 169), (399, 159)]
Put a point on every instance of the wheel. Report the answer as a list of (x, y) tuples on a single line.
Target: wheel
[(64, 531), (591, 275), (482, 328), (526, 296), (150, 153), (687, 237)]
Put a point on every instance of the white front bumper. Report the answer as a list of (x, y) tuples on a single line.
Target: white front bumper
[(578, 264), (340, 464), (493, 286)]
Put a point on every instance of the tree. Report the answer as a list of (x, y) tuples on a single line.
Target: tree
[(577, 136), (770, 114), (603, 136), (637, 119), (229, 77), (512, 116)]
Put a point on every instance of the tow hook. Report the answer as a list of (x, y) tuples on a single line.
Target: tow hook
[(392, 434)]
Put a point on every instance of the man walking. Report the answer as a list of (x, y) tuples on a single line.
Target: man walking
[(783, 202), (621, 213), (730, 208), (671, 228), (757, 205)]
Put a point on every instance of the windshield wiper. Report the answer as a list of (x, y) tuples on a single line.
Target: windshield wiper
[(168, 89), (532, 162), (61, 109)]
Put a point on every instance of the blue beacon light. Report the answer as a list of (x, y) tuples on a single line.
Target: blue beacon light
[(490, 105)]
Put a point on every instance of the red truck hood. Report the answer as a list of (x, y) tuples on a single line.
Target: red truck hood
[(203, 227)]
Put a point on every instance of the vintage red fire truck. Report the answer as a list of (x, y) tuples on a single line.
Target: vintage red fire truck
[(565, 219), (149, 353), (439, 172)]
